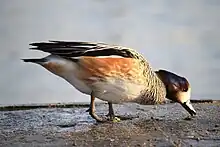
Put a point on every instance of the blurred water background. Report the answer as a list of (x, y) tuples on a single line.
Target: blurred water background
[(181, 36)]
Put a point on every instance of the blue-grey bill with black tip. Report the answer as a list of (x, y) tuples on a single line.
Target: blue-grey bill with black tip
[(188, 106)]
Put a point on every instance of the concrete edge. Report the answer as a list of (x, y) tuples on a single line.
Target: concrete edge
[(79, 104)]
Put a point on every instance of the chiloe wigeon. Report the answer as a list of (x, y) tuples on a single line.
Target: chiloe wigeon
[(112, 73)]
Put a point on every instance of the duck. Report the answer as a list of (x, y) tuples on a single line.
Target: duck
[(112, 73)]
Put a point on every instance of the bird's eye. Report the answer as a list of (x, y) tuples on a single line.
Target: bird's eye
[(185, 89)]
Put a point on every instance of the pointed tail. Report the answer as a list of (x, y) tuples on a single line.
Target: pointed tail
[(38, 61)]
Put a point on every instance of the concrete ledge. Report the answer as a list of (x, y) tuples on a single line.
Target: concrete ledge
[(159, 125), (79, 104)]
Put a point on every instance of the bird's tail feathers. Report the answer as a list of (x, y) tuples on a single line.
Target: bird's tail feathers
[(37, 61)]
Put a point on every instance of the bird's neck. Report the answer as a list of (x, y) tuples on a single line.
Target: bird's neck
[(155, 91)]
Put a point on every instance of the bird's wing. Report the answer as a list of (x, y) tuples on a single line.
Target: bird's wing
[(77, 49)]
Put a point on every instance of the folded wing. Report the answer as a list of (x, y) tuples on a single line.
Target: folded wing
[(76, 49)]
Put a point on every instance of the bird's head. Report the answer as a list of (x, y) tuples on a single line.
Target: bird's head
[(177, 89)]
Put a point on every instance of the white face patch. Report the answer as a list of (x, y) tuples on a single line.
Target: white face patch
[(184, 96)]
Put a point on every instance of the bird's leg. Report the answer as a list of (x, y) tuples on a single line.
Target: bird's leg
[(92, 110), (110, 111)]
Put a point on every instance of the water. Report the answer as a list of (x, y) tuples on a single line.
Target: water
[(181, 36)]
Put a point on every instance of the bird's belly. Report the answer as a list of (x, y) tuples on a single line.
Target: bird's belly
[(116, 91), (78, 84)]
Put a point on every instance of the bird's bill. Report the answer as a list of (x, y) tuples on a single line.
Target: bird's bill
[(188, 106)]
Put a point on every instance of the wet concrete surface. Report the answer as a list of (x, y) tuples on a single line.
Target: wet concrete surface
[(161, 125)]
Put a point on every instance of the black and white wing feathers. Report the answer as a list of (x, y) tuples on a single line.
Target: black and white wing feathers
[(76, 49)]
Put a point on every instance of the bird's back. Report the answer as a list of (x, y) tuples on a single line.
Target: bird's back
[(112, 73)]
